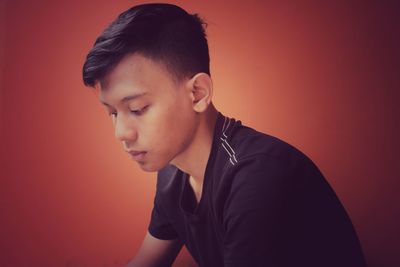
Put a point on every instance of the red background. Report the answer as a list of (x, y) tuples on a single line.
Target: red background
[(322, 76)]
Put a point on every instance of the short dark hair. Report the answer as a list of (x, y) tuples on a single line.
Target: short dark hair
[(162, 32)]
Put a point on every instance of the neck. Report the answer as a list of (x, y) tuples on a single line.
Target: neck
[(193, 160)]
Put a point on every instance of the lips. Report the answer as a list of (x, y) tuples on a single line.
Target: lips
[(137, 155)]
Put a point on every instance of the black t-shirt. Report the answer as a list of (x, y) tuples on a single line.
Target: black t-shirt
[(263, 203)]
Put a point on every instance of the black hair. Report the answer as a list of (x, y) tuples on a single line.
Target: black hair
[(162, 32)]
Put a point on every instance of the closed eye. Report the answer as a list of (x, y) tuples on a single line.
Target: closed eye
[(139, 112)]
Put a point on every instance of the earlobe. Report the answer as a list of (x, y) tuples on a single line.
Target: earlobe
[(201, 91)]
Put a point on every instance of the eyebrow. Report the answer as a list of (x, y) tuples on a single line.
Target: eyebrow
[(127, 98)]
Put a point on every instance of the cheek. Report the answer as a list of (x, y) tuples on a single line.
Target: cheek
[(169, 125), (157, 129)]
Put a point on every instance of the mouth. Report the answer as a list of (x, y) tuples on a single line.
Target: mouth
[(137, 155)]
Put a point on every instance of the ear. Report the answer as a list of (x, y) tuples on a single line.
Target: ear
[(201, 90)]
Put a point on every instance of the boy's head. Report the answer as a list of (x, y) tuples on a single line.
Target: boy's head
[(152, 68), (164, 33)]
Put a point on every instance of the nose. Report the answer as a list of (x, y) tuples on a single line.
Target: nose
[(124, 130)]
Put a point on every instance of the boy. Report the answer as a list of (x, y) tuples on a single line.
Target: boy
[(233, 196)]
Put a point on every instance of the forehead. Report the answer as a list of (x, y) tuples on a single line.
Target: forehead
[(137, 74)]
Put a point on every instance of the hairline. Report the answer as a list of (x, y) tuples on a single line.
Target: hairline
[(177, 79)]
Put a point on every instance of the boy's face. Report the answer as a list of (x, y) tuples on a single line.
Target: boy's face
[(152, 113)]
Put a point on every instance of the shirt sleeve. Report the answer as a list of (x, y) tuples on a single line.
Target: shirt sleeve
[(160, 227)]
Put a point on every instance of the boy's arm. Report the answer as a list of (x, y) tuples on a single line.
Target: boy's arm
[(156, 252)]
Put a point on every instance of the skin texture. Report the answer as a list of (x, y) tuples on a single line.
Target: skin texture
[(171, 121)]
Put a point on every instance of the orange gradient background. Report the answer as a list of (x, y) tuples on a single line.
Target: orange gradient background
[(322, 76)]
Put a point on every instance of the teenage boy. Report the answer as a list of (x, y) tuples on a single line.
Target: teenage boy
[(233, 196)]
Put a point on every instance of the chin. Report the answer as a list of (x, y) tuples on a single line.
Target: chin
[(150, 167)]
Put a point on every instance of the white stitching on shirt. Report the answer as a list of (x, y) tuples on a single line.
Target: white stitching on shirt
[(233, 153), (223, 126), (227, 126), (230, 155)]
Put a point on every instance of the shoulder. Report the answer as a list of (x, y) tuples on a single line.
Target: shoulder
[(253, 162), (251, 143), (239, 142), (268, 171), (254, 151)]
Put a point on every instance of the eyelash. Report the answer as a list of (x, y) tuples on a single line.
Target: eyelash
[(137, 112)]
